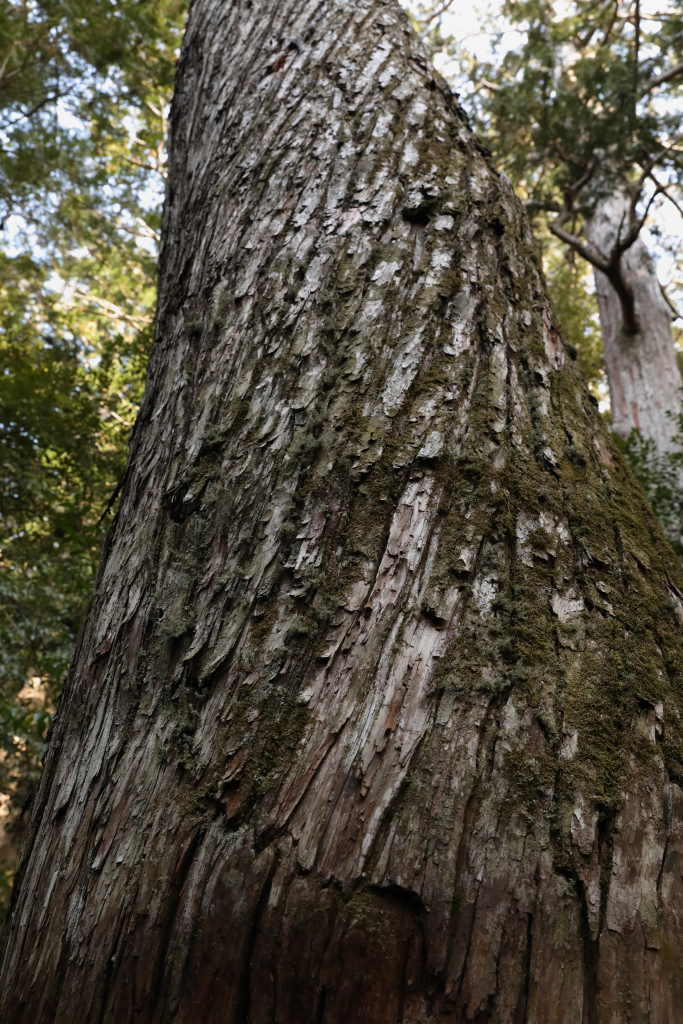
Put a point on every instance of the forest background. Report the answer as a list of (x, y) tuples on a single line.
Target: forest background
[(85, 88)]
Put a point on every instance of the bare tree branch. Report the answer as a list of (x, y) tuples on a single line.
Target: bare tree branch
[(610, 265), (586, 250), (540, 206), (663, 189), (675, 314), (108, 309), (666, 76), (636, 50), (568, 158), (490, 85), (438, 12), (608, 33)]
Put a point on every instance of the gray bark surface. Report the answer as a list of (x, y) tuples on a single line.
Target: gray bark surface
[(643, 375), (375, 716)]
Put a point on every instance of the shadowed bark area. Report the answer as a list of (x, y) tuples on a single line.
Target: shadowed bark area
[(375, 716)]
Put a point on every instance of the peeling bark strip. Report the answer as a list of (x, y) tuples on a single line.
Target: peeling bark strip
[(376, 715)]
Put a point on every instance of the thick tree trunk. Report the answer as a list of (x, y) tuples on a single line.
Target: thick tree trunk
[(375, 716), (644, 379)]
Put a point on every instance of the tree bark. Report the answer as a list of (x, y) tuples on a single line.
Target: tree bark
[(643, 375), (375, 716)]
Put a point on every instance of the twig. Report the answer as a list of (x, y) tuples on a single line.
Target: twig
[(437, 13), (608, 33), (676, 314), (490, 85), (666, 76)]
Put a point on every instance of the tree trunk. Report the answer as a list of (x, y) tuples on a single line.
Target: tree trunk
[(375, 716), (644, 379)]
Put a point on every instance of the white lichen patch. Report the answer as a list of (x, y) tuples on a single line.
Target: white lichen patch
[(570, 744), (566, 606), (432, 446), (484, 592)]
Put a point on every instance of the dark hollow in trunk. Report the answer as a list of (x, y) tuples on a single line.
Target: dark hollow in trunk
[(375, 716)]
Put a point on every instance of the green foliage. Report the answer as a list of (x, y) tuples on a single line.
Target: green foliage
[(84, 89), (661, 477), (576, 305), (78, 81)]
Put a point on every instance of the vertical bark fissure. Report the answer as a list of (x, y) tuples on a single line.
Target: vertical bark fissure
[(243, 1011), (590, 954), (471, 810), (527, 969), (157, 979)]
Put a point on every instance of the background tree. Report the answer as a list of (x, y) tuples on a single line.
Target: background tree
[(583, 114), (83, 91), (376, 711)]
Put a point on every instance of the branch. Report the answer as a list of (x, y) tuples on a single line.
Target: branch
[(666, 76), (6, 61), (676, 314), (610, 265), (438, 12), (537, 205), (146, 231), (109, 309), (636, 49), (664, 192), (26, 115), (142, 231), (608, 33), (637, 223), (115, 494), (568, 158), (136, 162), (587, 251)]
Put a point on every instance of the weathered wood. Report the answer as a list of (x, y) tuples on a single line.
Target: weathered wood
[(375, 716)]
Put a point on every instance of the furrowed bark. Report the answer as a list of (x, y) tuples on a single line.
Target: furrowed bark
[(375, 716), (644, 379)]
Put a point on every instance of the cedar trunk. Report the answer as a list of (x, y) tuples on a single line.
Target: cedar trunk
[(643, 375), (375, 716)]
